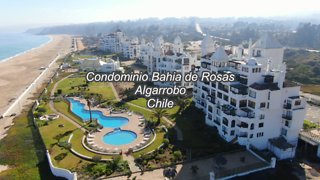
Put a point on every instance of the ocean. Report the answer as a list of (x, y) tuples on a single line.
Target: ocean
[(12, 44)]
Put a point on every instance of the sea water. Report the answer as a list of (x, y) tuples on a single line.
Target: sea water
[(14, 44)]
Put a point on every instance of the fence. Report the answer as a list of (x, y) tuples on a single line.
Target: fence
[(59, 172)]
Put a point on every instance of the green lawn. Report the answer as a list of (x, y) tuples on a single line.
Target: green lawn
[(145, 113), (22, 149), (157, 142), (142, 102), (70, 84), (49, 132), (81, 56), (71, 161), (77, 145), (103, 89)]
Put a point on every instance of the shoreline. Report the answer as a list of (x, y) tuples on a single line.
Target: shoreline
[(26, 51), (20, 76)]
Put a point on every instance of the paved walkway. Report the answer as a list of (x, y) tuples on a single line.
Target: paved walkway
[(51, 104), (172, 124), (131, 163)]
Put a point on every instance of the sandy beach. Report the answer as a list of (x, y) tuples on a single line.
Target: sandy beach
[(19, 72)]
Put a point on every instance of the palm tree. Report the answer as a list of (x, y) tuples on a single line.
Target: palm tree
[(89, 106), (182, 103), (159, 113)]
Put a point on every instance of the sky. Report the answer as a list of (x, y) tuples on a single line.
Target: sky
[(19, 14)]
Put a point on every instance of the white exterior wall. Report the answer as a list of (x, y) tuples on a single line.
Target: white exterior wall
[(272, 94), (165, 57)]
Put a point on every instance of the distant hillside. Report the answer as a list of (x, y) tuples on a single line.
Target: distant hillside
[(303, 66), (290, 32)]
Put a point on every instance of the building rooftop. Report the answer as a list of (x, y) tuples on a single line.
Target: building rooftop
[(207, 56), (281, 143), (267, 42), (220, 55), (265, 86), (169, 53)]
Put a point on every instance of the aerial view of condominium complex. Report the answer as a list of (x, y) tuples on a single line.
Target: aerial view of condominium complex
[(159, 90)]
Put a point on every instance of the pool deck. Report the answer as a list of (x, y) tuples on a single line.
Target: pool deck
[(132, 125)]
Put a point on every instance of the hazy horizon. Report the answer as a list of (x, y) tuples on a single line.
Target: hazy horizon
[(37, 13)]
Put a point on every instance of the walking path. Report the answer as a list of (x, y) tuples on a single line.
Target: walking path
[(51, 104), (132, 164), (175, 127)]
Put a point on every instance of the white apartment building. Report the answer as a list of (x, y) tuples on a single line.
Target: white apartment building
[(117, 42), (112, 42), (100, 65), (131, 49), (259, 108), (166, 57)]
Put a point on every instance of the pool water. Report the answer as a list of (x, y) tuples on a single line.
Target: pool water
[(106, 121), (119, 137)]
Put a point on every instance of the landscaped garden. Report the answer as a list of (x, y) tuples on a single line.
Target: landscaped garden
[(63, 135), (57, 133)]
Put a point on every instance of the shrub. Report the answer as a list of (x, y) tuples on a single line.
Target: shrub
[(177, 155), (165, 142), (98, 169), (65, 145), (60, 156)]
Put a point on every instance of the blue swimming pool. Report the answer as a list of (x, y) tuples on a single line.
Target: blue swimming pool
[(106, 121), (119, 137)]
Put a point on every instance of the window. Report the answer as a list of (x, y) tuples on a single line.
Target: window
[(251, 104), (251, 135), (283, 132), (210, 108), (261, 125), (269, 94), (262, 105), (297, 102), (260, 134), (233, 123), (252, 94), (233, 102), (261, 116), (225, 121), (232, 133), (243, 103), (287, 123), (258, 53), (252, 126), (225, 97), (220, 95)]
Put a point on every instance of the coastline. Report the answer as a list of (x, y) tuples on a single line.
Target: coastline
[(22, 72), (26, 51)]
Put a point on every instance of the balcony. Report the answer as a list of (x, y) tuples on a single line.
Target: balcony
[(287, 116), (239, 89), (229, 110), (246, 112)]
